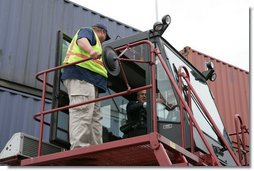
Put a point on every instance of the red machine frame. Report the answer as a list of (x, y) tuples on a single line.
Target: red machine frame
[(149, 149)]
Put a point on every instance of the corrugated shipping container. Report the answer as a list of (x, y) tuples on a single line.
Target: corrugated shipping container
[(16, 115), (230, 89), (28, 44), (28, 34)]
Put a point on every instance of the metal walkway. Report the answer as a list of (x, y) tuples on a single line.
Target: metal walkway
[(147, 150)]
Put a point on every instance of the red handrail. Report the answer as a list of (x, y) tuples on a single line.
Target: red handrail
[(129, 90), (186, 75), (214, 158), (211, 121), (241, 142), (44, 84)]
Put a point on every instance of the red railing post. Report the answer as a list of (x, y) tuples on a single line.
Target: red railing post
[(180, 84), (42, 110), (238, 120), (181, 112)]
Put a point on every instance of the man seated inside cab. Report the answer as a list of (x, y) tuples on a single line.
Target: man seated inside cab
[(137, 115)]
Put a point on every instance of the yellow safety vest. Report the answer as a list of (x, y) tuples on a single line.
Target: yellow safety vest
[(75, 53)]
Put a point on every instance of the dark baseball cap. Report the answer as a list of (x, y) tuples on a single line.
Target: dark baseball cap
[(104, 28)]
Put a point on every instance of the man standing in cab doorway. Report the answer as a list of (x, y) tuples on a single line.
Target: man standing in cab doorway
[(84, 81)]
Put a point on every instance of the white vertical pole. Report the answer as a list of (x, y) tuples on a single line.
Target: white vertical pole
[(156, 10)]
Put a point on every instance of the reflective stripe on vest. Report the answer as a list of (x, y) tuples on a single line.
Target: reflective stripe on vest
[(74, 54)]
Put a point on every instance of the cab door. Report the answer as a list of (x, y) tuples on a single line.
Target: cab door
[(168, 113)]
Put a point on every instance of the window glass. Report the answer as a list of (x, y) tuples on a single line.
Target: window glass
[(167, 107), (59, 120), (203, 92), (114, 113)]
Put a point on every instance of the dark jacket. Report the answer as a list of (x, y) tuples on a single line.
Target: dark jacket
[(135, 111), (136, 120)]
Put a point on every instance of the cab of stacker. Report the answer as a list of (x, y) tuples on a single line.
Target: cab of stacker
[(132, 63)]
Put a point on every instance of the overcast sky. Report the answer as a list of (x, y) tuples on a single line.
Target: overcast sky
[(218, 28)]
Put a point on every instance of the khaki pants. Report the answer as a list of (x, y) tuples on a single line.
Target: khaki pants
[(85, 127)]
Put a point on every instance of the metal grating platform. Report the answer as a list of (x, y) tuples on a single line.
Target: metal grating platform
[(137, 151)]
